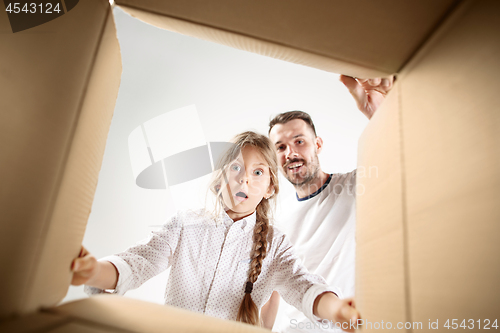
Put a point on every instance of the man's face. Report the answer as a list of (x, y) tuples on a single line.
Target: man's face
[(297, 150)]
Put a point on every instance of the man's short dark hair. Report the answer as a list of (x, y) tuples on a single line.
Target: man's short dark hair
[(285, 117)]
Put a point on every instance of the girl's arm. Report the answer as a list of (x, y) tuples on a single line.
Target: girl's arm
[(129, 269), (309, 292), (329, 306), (87, 270), (269, 311)]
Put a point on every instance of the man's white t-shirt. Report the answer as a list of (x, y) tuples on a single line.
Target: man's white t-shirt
[(322, 229)]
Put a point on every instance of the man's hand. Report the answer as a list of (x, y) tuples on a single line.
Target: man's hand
[(84, 268), (368, 93)]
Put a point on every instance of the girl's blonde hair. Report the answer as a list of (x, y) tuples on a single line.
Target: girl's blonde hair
[(248, 312)]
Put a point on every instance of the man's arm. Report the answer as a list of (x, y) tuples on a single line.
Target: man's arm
[(368, 93)]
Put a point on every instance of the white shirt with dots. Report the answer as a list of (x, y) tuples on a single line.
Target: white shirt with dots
[(210, 260)]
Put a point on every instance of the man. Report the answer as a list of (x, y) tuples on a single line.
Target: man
[(320, 221)]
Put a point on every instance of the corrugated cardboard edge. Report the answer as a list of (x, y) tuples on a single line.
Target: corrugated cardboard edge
[(254, 45), (79, 180)]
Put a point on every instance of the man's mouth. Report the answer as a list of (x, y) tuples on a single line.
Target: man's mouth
[(294, 167)]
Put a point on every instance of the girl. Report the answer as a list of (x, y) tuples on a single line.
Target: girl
[(225, 263)]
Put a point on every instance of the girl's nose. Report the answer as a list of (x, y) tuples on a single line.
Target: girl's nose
[(243, 179)]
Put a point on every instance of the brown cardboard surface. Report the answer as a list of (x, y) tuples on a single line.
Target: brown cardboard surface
[(139, 316), (451, 131), (380, 234), (36, 322), (59, 84), (54, 323), (363, 38), (449, 182), (251, 44), (76, 327)]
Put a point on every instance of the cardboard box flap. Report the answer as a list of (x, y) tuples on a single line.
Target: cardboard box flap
[(131, 315), (431, 219), (59, 85), (451, 133), (363, 38)]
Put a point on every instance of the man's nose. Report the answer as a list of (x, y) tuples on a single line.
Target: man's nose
[(290, 153)]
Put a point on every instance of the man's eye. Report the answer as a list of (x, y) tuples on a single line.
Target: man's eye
[(300, 142), (258, 172), (235, 167), (281, 148)]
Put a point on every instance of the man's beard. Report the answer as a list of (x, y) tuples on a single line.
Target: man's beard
[(310, 175)]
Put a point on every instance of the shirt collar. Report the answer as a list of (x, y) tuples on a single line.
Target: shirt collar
[(246, 223), (310, 196)]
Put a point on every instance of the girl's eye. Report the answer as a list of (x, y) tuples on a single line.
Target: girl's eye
[(300, 142), (235, 167), (258, 172)]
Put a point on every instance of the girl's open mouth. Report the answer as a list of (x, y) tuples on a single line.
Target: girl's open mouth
[(241, 196)]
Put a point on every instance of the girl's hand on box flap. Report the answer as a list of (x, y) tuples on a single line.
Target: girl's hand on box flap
[(84, 268), (368, 93)]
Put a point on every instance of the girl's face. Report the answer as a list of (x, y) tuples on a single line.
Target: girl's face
[(245, 182)]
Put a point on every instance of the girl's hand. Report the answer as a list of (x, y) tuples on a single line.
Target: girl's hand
[(340, 311), (347, 315), (84, 268)]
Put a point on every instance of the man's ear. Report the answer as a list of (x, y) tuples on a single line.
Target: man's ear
[(319, 144)]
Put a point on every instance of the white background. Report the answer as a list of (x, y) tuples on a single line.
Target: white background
[(233, 91)]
